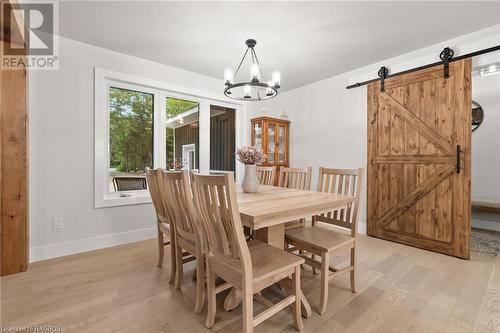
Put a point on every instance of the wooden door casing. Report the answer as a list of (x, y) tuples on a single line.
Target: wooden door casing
[(14, 235), (415, 194)]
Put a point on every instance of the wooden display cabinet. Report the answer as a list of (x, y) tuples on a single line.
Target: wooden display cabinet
[(271, 135)]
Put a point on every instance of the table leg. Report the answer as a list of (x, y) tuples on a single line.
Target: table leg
[(273, 235)]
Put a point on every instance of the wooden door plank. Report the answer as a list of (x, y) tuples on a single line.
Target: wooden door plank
[(411, 101), (416, 159), (396, 170), (419, 192), (429, 74), (444, 125), (413, 120), (462, 137), (372, 167), (424, 223)]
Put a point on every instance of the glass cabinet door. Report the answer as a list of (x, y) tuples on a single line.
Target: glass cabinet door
[(281, 144), (257, 130), (271, 129)]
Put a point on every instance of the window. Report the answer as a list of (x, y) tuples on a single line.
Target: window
[(130, 137), (141, 123), (222, 139), (182, 134)]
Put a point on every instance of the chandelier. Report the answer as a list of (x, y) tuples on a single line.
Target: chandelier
[(256, 88)]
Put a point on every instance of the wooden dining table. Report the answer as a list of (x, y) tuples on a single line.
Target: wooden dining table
[(267, 211)]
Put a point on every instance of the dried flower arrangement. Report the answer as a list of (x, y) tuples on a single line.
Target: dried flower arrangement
[(177, 164), (250, 155)]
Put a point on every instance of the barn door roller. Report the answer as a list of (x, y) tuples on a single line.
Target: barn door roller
[(382, 74), (446, 56)]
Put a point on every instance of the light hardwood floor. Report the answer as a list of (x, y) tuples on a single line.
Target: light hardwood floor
[(120, 289)]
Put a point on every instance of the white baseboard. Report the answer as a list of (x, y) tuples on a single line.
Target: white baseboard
[(488, 225), (44, 252), (50, 251)]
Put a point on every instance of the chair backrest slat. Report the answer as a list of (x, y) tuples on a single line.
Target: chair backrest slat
[(215, 202), (152, 179), (266, 175), (298, 178), (177, 198), (341, 181)]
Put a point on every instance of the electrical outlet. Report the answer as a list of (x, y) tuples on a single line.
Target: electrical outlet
[(57, 223)]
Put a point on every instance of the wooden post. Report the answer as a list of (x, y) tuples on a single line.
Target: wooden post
[(14, 163)]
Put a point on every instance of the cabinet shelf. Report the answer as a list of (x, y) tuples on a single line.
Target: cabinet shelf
[(271, 136)]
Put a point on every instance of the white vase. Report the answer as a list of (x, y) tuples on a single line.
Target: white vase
[(250, 181)]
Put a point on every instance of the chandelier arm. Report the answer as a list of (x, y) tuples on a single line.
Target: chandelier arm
[(252, 53), (258, 63), (254, 58), (241, 62)]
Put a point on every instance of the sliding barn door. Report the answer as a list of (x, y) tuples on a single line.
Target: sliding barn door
[(419, 133)]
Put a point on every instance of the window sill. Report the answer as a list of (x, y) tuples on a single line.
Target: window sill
[(129, 198)]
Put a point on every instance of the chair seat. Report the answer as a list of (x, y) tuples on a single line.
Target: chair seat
[(268, 260), (319, 237)]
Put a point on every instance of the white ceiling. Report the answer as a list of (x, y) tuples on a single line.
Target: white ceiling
[(307, 42)]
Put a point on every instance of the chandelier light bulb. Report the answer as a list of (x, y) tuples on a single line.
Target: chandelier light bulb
[(228, 75), (255, 72), (269, 92), (247, 90), (276, 77)]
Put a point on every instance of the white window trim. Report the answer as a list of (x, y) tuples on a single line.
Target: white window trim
[(188, 147), (102, 80)]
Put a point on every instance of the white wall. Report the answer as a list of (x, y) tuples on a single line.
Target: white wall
[(328, 122), (61, 148), (486, 140)]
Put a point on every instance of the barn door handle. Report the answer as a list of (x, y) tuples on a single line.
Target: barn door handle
[(459, 151)]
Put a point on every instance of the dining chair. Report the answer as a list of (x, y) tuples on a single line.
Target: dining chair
[(229, 257), (163, 222), (296, 178), (266, 175), (323, 241), (175, 192)]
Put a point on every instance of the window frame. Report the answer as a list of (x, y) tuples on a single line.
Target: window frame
[(103, 80)]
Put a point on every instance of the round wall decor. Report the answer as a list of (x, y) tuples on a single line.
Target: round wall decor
[(477, 115)]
